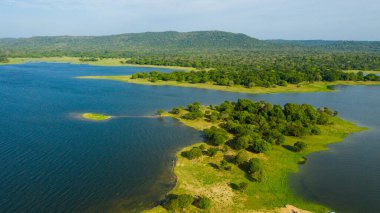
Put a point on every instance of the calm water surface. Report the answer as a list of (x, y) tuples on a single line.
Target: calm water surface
[(52, 162)]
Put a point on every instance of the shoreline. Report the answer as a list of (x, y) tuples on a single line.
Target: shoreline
[(304, 87), (108, 62), (340, 131)]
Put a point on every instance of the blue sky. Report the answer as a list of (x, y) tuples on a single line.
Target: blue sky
[(263, 19)]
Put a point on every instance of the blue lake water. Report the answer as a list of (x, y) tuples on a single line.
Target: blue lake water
[(52, 162)]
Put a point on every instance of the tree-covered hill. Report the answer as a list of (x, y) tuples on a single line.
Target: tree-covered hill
[(156, 43), (149, 42)]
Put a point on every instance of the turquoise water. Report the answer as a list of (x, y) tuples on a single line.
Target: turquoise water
[(53, 162)]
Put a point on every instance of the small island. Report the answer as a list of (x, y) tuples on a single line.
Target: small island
[(95, 117), (249, 150)]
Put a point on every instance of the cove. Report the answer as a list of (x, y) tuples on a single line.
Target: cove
[(52, 162)]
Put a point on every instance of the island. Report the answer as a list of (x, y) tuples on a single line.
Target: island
[(95, 117), (250, 148)]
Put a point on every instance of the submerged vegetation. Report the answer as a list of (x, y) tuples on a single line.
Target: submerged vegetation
[(249, 150)]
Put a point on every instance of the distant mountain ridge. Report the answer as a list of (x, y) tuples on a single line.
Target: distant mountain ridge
[(167, 42), (170, 40)]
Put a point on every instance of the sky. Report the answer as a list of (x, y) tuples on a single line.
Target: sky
[(263, 19)]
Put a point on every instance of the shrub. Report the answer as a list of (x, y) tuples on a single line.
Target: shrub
[(259, 146), (193, 115), (216, 136), (212, 151), (225, 165), (258, 176), (178, 202), (175, 110), (241, 157), (300, 146), (214, 116), (254, 165), (204, 203), (193, 153), (242, 142), (239, 186), (203, 147)]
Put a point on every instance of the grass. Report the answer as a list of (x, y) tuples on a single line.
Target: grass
[(291, 88), (100, 62), (95, 117), (198, 178)]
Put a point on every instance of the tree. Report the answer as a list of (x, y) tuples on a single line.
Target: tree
[(193, 153), (216, 136), (259, 146), (300, 146), (242, 142), (175, 110), (212, 151), (241, 158)]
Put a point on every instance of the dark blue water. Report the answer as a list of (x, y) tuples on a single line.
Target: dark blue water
[(52, 162)]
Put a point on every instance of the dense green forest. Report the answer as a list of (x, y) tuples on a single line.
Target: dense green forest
[(230, 58), (270, 71)]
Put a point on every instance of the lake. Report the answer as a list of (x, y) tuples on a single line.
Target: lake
[(53, 162)]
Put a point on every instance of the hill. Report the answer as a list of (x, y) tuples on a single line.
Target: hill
[(149, 42)]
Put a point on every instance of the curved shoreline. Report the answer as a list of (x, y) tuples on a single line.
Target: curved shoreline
[(336, 134), (109, 62)]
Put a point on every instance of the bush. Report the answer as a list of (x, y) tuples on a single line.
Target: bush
[(241, 158), (212, 151), (178, 202), (300, 146), (216, 136), (258, 176), (203, 147), (283, 83), (204, 203), (225, 165), (260, 146), (214, 116), (193, 153), (242, 142), (254, 165), (193, 115), (175, 110), (239, 186)]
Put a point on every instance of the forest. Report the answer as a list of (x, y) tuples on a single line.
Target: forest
[(264, 70)]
